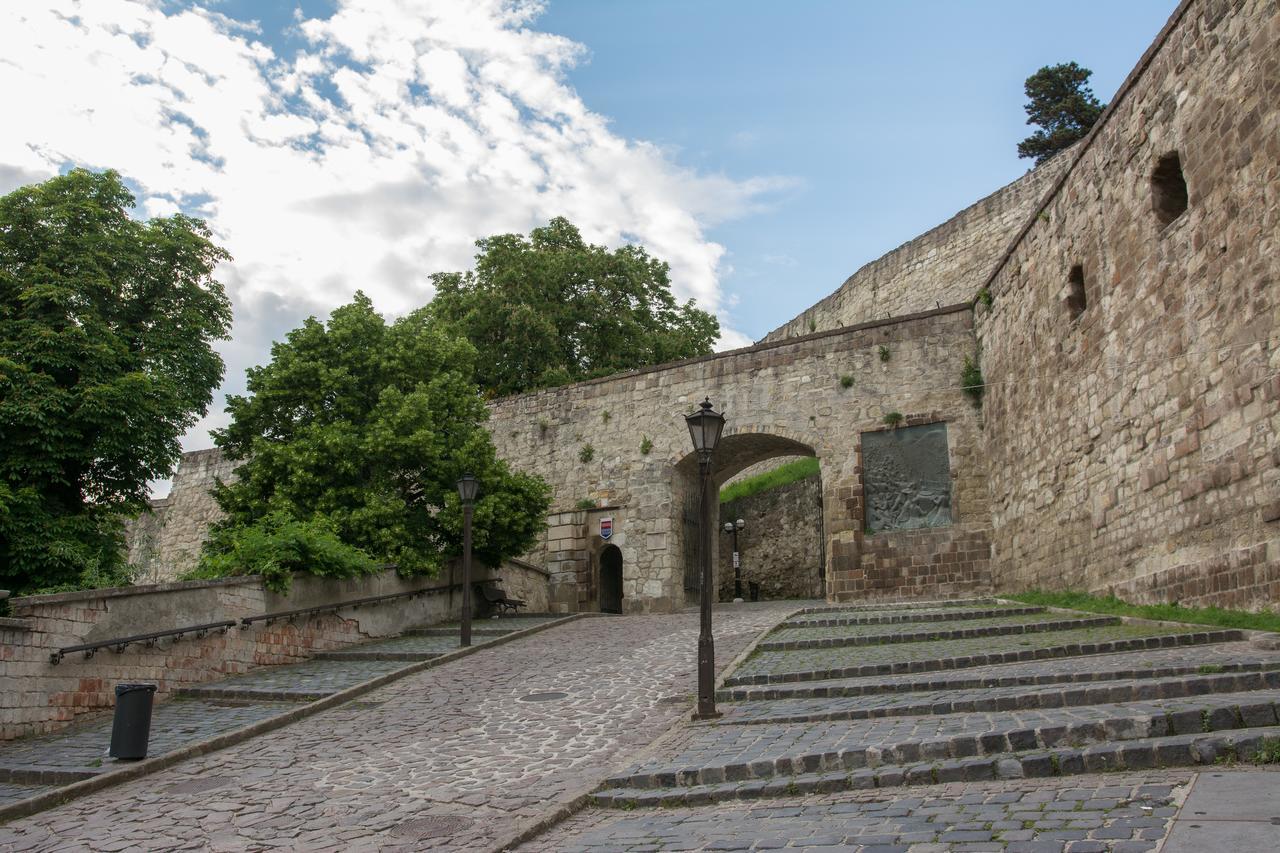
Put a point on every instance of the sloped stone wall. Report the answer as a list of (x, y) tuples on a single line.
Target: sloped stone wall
[(1134, 446), (166, 542), (781, 545), (944, 266)]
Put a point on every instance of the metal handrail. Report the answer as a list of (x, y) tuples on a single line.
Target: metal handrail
[(119, 644), (355, 602)]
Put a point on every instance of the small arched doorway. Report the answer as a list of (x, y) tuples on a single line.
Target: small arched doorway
[(611, 579)]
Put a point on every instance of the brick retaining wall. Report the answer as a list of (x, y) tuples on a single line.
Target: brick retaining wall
[(38, 696)]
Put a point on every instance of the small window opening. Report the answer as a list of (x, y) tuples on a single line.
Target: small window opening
[(1168, 189), (1076, 299)]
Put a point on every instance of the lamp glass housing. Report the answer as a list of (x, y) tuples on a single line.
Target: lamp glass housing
[(705, 426), (468, 488)]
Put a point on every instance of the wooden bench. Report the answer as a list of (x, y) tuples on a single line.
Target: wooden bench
[(496, 597)]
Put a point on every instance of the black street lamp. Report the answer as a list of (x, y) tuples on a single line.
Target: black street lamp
[(733, 527), (705, 426), (468, 488)]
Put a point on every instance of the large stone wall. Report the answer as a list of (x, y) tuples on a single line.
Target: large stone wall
[(781, 399), (39, 696), (165, 542), (1134, 448), (781, 545), (943, 266)]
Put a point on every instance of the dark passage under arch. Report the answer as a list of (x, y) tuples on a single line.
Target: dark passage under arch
[(611, 579)]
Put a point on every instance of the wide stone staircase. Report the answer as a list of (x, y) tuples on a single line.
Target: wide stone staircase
[(853, 697), (32, 765)]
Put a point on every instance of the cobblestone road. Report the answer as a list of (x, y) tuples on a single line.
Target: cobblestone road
[(453, 757)]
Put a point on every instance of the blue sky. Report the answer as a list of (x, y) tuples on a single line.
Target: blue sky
[(765, 150), (892, 116)]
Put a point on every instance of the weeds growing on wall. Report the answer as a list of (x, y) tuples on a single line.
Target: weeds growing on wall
[(646, 444), (971, 381), (884, 353), (586, 454), (780, 476), (893, 419), (984, 296), (1241, 619), (585, 503), (846, 381)]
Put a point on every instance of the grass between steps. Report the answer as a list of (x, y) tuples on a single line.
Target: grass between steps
[(1166, 612), (780, 476)]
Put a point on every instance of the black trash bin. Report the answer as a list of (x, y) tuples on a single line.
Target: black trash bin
[(131, 728)]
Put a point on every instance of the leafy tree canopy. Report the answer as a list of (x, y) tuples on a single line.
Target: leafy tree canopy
[(549, 309), (106, 358), (1063, 106), (368, 426)]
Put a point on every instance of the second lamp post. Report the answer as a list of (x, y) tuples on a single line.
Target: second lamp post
[(735, 527), (468, 488), (705, 426)]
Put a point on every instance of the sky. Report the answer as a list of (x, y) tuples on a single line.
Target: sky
[(764, 149)]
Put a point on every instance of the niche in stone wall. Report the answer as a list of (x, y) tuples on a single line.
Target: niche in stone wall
[(906, 477), (1168, 189), (1075, 300)]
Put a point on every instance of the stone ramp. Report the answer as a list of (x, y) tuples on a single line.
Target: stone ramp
[(32, 765), (868, 699)]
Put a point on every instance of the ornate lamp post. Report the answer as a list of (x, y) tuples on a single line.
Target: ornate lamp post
[(705, 426), (468, 488), (732, 527)]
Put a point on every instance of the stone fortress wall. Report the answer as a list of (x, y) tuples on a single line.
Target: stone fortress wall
[(781, 546), (1128, 440), (1133, 424), (166, 542), (944, 266)]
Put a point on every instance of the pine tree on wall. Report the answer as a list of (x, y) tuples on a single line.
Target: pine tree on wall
[(1062, 105)]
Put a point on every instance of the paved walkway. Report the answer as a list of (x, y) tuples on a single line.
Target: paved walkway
[(452, 758)]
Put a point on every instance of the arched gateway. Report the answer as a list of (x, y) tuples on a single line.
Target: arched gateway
[(789, 398)]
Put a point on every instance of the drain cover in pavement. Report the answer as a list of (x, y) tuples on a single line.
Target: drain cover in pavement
[(542, 697), (198, 786), (432, 826)]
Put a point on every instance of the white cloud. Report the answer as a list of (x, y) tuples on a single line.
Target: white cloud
[(376, 154)]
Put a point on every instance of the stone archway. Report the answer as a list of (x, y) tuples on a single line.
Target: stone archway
[(737, 452), (610, 586)]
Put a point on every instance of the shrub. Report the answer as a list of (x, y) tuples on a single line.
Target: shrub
[(276, 546), (893, 419)]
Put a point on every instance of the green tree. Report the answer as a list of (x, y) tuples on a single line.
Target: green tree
[(368, 426), (1062, 105), (548, 309), (106, 358)]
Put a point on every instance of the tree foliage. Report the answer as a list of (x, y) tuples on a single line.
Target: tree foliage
[(106, 359), (549, 309), (368, 426), (277, 545), (1062, 105)]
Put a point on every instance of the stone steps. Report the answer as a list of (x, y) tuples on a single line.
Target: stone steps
[(985, 699), (1186, 750), (714, 754), (356, 654), (1126, 668), (453, 632), (899, 605), (930, 635), (907, 616), (1160, 640)]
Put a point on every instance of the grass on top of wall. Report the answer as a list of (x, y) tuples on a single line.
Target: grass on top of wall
[(1242, 619), (780, 476)]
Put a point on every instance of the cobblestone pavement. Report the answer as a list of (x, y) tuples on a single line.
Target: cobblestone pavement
[(888, 617), (1087, 814), (803, 760), (80, 751), (451, 758), (299, 682), (868, 630)]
